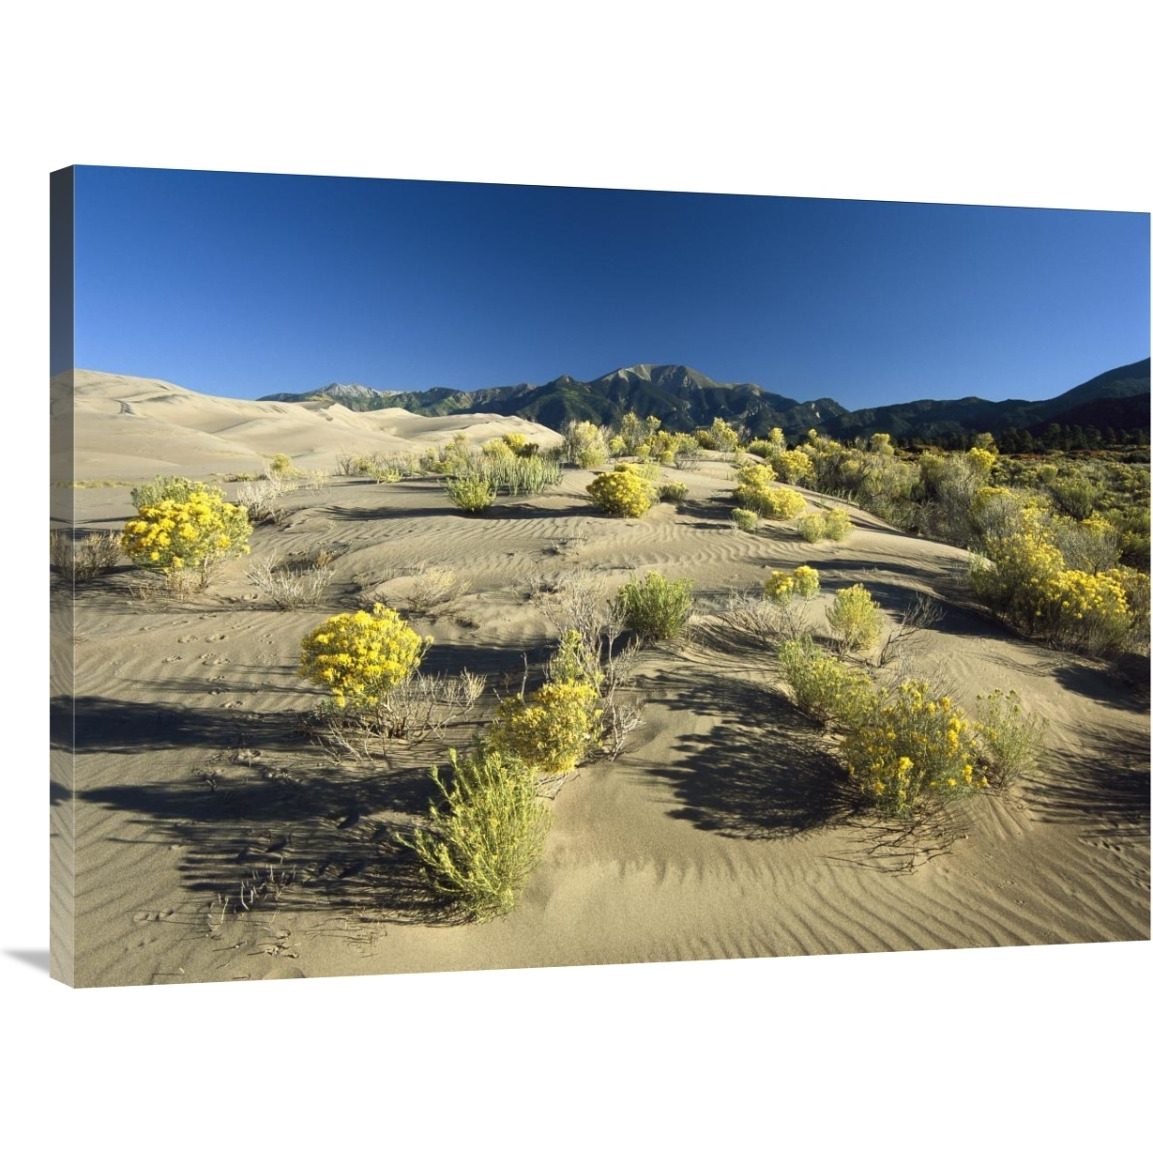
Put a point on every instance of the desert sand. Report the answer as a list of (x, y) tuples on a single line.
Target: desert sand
[(215, 841)]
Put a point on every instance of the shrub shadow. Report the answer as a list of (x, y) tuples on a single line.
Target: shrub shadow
[(102, 724), (753, 774), (325, 842), (1107, 784)]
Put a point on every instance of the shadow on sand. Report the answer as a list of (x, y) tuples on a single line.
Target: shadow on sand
[(756, 772), (1106, 784), (325, 841)]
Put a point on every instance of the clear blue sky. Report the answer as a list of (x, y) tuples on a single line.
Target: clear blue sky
[(240, 285)]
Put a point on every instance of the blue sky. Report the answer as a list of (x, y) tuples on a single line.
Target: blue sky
[(240, 285)]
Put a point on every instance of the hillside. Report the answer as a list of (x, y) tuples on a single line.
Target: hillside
[(1118, 399)]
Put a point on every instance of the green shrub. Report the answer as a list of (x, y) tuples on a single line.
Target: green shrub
[(811, 527), (854, 618), (280, 465), (1076, 496), (470, 493), (585, 445), (830, 524), (686, 451), (174, 488), (624, 492), (656, 610), (837, 524), (913, 747), (822, 686), (506, 472), (719, 436), (359, 657), (1011, 741), (745, 519), (487, 836), (675, 492)]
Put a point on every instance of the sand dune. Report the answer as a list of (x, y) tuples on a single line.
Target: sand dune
[(131, 428), (719, 831)]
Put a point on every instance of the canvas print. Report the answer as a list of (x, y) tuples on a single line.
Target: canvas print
[(453, 576)]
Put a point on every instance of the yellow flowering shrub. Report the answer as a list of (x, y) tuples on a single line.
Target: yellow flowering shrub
[(781, 587), (520, 445), (1136, 588), (854, 618), (185, 536), (360, 656), (752, 479), (981, 461), (554, 730), (622, 492), (914, 746), (755, 491), (498, 449), (1025, 578), (1085, 610), (780, 504), (793, 466), (1091, 544), (662, 447)]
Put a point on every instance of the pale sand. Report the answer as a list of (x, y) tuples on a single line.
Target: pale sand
[(717, 833)]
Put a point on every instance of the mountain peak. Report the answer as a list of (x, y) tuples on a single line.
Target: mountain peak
[(351, 389)]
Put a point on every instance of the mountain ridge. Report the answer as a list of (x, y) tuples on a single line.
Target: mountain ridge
[(684, 398)]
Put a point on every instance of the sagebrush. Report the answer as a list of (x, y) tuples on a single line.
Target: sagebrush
[(486, 836), (656, 609)]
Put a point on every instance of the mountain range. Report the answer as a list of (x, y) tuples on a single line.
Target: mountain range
[(684, 399)]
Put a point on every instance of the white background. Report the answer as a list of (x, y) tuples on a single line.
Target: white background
[(1010, 103)]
